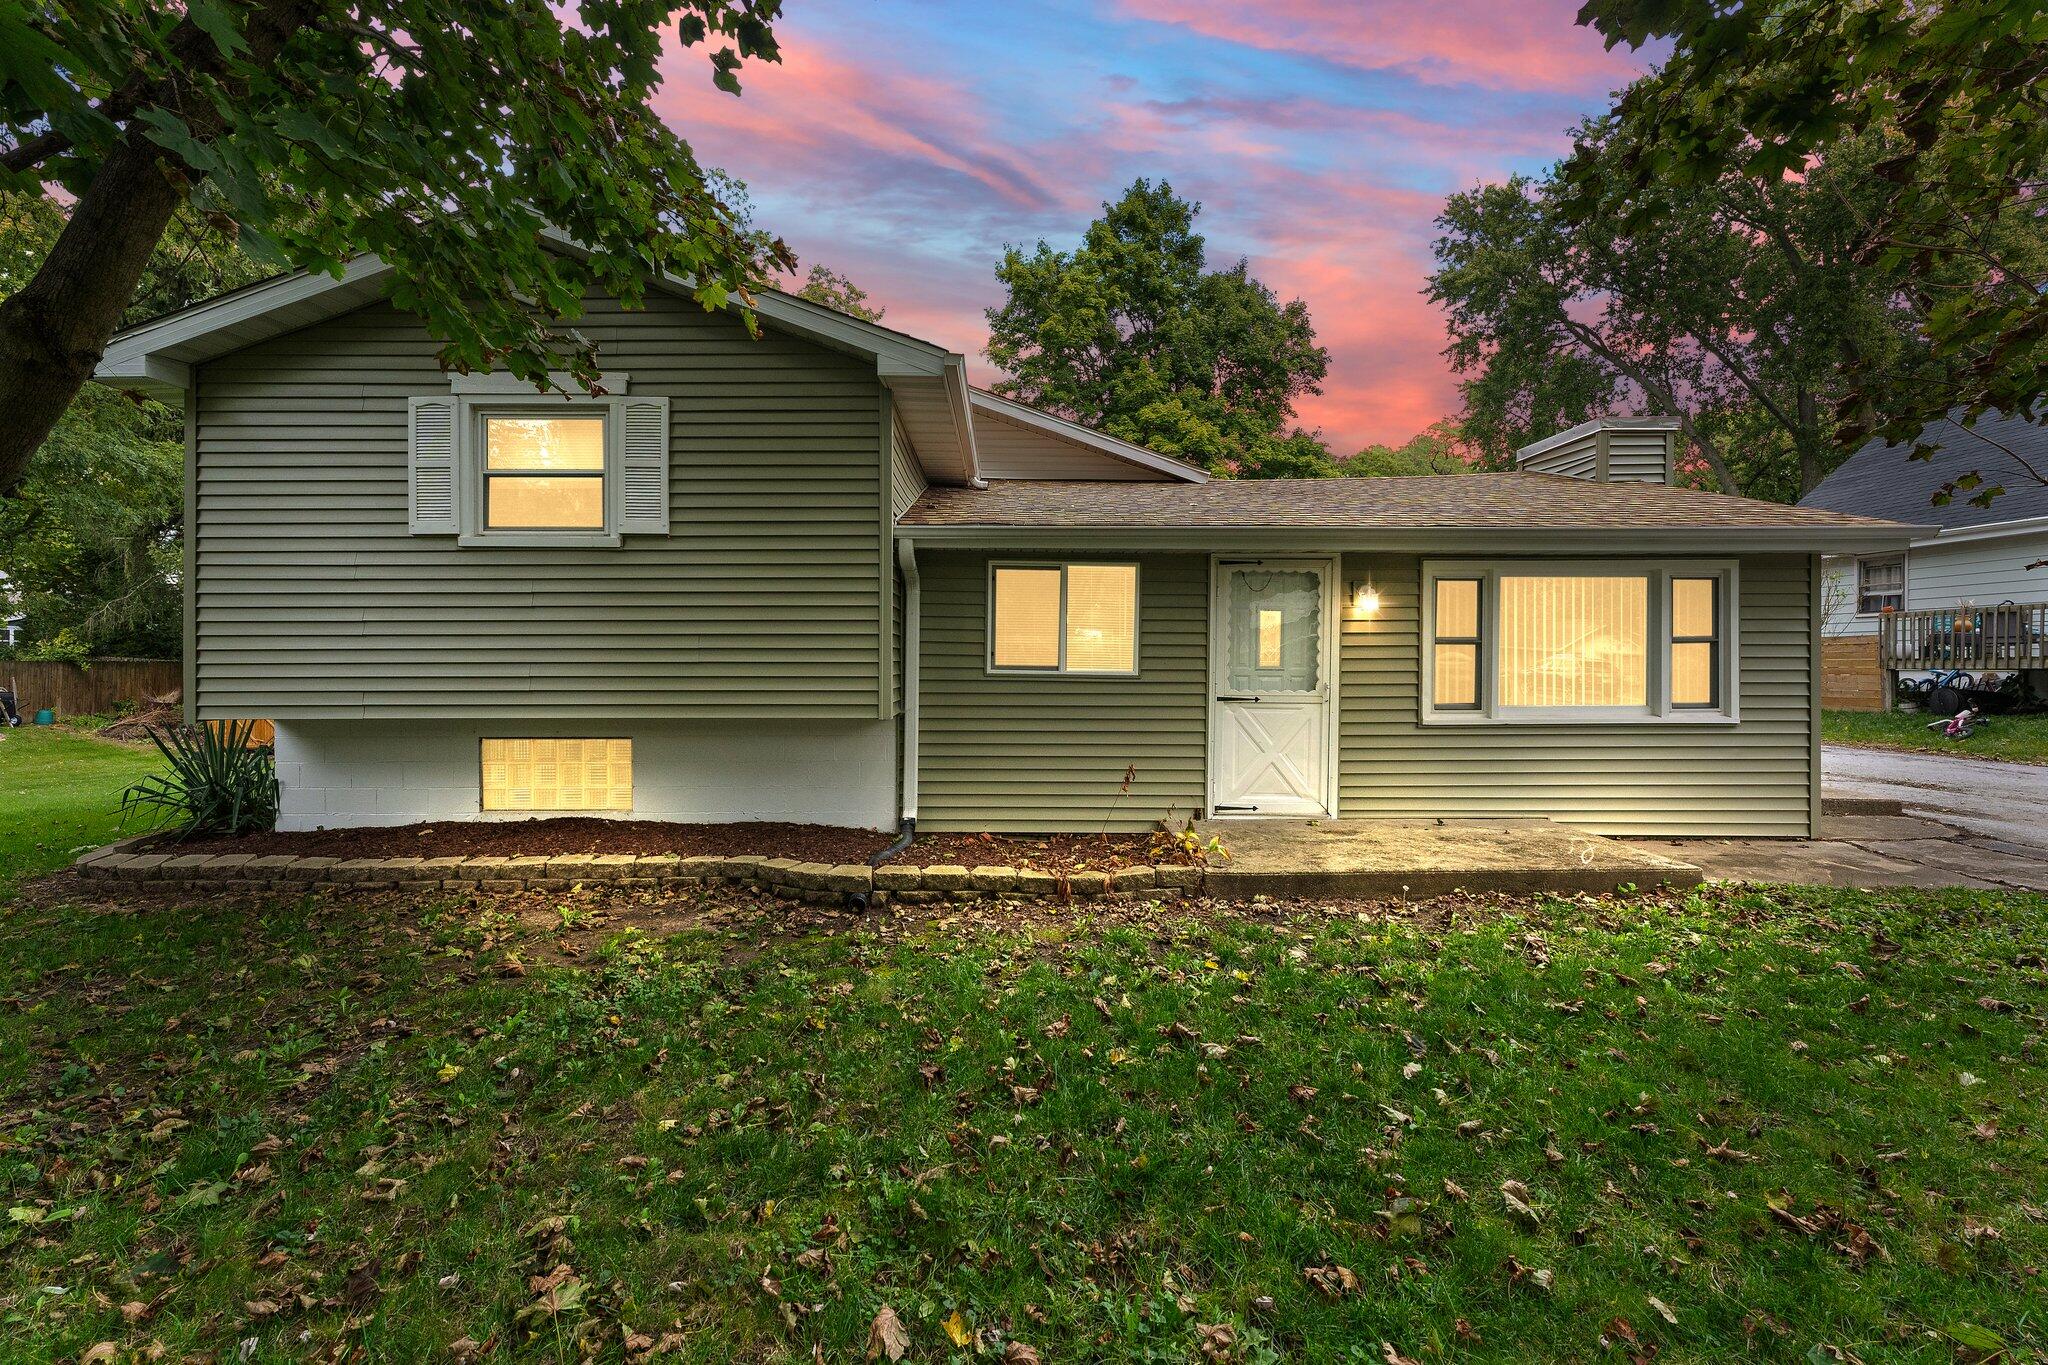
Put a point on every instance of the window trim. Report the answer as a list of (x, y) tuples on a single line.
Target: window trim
[(992, 669), (473, 482), (1659, 711), (1901, 559)]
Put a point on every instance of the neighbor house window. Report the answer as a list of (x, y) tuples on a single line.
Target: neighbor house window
[(1543, 642), (1063, 618), (1880, 585), (557, 774), (544, 473)]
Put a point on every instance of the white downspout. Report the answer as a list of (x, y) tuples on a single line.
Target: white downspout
[(906, 560)]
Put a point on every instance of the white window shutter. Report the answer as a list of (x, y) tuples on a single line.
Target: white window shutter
[(431, 477), (644, 471)]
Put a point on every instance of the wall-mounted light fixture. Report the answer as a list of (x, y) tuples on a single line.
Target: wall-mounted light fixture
[(1365, 600)]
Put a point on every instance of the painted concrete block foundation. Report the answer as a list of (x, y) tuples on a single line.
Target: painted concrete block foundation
[(334, 773)]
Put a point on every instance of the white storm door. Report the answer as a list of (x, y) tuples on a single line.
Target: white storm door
[(1269, 652)]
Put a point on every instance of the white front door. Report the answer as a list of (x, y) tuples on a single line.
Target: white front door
[(1270, 656)]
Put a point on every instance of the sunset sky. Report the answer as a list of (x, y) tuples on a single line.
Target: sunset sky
[(904, 142)]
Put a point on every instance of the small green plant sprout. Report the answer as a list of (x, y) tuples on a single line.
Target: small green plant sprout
[(219, 781), (1186, 843)]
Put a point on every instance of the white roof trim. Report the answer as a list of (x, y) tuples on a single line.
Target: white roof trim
[(1569, 434), (1011, 411), (1994, 530)]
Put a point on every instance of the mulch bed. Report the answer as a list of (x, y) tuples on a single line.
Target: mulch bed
[(574, 834)]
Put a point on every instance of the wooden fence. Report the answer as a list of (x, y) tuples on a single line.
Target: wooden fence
[(1849, 675), (94, 689)]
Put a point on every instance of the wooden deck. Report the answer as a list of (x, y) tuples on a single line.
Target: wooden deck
[(2011, 635)]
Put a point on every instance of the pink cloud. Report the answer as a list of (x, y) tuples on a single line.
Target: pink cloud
[(1525, 45), (909, 171)]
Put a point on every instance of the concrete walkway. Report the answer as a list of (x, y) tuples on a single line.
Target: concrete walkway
[(1388, 859), (1958, 822)]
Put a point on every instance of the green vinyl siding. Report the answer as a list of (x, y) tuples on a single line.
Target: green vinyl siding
[(906, 477), (1750, 778), (1024, 754), (1048, 754), (312, 600)]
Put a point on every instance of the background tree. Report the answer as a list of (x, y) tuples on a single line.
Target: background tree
[(1733, 303), (827, 286), (1131, 333), (441, 134), (1950, 223), (90, 543), (1439, 449)]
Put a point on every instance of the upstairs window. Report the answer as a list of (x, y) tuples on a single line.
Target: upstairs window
[(544, 473), (493, 464), (1063, 619)]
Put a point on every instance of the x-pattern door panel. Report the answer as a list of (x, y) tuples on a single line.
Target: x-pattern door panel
[(1270, 660)]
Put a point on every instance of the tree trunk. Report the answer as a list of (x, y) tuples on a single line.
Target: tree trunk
[(54, 329)]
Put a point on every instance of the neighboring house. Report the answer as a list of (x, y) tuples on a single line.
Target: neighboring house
[(1969, 556), (816, 576)]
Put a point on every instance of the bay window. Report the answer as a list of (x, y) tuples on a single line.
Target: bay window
[(1545, 642)]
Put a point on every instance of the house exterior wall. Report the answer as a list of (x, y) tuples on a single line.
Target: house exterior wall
[(1755, 777), (1044, 754), (1049, 754), (768, 599), (393, 772)]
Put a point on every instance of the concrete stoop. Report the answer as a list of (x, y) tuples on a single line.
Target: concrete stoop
[(1412, 859)]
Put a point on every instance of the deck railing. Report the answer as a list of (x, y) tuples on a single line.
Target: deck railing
[(2007, 636)]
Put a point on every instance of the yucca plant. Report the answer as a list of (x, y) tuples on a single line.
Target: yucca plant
[(218, 783)]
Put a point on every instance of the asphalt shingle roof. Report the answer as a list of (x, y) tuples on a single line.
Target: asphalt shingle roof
[(1880, 481), (1519, 501)]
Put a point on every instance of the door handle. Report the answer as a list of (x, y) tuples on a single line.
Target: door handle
[(1238, 699)]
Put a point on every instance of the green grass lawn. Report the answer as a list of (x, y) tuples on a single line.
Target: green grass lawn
[(1776, 1124), (2022, 739), (59, 795)]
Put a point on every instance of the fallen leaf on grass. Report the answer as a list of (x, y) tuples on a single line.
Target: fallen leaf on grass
[(1663, 1310), (1017, 1353), (1333, 1280), (957, 1330), (1516, 1196), (1217, 1340), (94, 1354), (555, 1293), (1394, 1357), (886, 1338)]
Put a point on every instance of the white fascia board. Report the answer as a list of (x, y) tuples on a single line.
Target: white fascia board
[(1059, 427), (960, 397), (2025, 526)]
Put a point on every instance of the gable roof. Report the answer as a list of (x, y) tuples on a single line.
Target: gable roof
[(930, 382), (1880, 480), (1434, 508)]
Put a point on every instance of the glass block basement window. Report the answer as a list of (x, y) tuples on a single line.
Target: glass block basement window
[(558, 774)]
